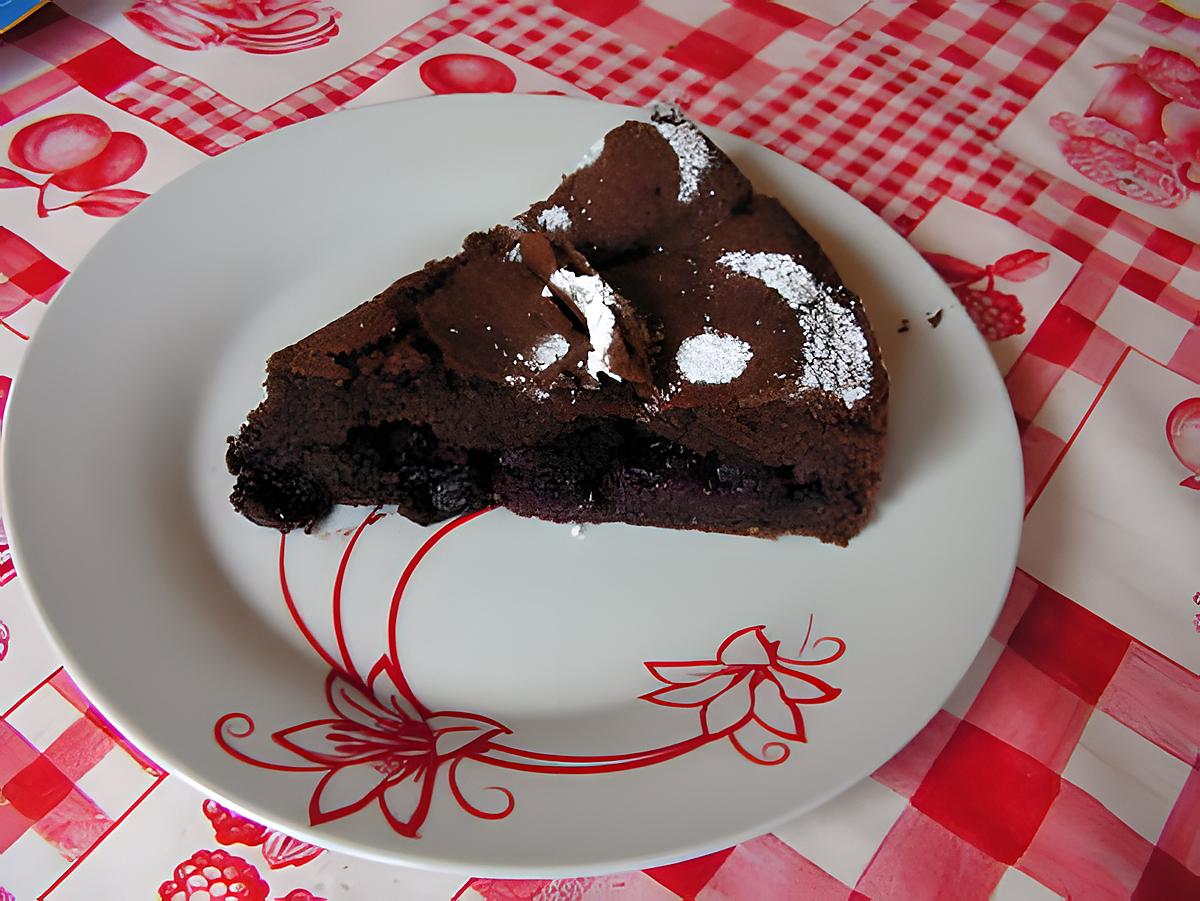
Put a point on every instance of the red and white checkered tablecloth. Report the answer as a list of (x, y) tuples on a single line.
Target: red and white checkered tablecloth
[(1045, 156)]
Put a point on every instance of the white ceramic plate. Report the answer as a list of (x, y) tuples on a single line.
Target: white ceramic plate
[(169, 609)]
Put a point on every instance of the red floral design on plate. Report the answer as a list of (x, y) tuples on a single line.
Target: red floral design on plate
[(82, 155), (253, 26), (278, 849), (995, 313), (1183, 434), (382, 746), (1140, 135), (213, 875), (467, 73), (749, 692)]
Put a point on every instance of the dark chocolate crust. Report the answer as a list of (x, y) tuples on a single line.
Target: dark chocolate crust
[(549, 368)]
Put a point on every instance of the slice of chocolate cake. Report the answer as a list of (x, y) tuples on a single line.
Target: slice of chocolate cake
[(655, 344)]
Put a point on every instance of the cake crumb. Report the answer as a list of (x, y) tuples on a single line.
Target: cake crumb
[(935, 319), (903, 326), (578, 531)]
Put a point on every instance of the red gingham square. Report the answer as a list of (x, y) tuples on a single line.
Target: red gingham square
[(1158, 699), (37, 789), (1186, 359), (1165, 877), (709, 54), (919, 859), (1031, 711), (1180, 835), (30, 274), (773, 12), (775, 871), (744, 29), (987, 792), (602, 12), (1030, 382), (1061, 336), (904, 772), (1099, 356), (1073, 645), (689, 876), (1083, 851)]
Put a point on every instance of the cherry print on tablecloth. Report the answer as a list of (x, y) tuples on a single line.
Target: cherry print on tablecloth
[(212, 875), (1140, 135), (1183, 434), (382, 746), (300, 894), (252, 26), (997, 314), (279, 850), (467, 73), (82, 155)]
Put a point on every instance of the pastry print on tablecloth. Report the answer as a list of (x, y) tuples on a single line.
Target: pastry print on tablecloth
[(252, 26), (1140, 135), (84, 159), (997, 314), (382, 746), (1183, 434)]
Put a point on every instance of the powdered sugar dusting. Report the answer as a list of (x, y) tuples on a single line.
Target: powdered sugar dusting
[(597, 302), (549, 351), (554, 219), (591, 156), (695, 157), (713, 358), (835, 348)]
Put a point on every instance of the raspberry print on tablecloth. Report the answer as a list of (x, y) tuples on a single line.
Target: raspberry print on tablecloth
[(279, 850), (83, 156), (212, 875), (252, 26), (997, 314), (1140, 135)]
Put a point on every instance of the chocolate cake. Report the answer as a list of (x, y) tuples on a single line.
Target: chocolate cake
[(655, 343)]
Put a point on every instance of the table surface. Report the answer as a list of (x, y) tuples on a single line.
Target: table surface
[(1046, 159)]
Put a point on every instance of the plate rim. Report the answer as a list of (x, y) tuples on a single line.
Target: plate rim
[(411, 853)]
